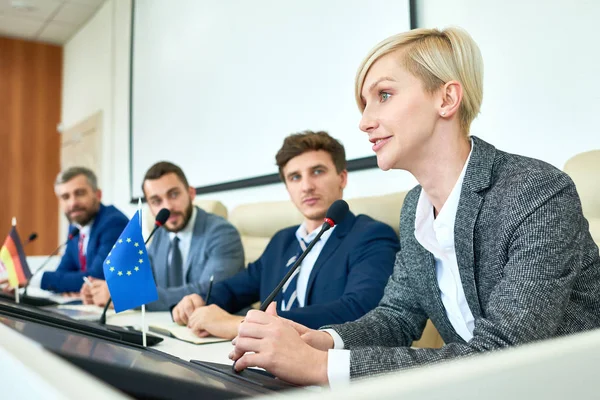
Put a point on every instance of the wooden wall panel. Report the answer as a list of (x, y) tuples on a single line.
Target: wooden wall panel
[(30, 101)]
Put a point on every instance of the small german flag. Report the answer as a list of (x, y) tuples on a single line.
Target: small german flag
[(13, 259)]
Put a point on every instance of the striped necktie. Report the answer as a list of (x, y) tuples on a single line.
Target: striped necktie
[(290, 294)]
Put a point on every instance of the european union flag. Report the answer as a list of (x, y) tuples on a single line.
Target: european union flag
[(127, 269)]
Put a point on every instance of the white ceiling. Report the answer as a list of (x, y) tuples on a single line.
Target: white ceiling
[(51, 21)]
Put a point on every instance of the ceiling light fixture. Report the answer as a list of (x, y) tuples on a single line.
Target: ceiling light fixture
[(22, 5)]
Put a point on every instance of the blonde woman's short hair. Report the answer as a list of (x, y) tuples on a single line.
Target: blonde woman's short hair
[(434, 57)]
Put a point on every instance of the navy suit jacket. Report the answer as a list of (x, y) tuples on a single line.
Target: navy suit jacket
[(68, 277), (346, 281)]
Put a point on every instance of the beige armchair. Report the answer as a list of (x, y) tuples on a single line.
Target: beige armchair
[(258, 222), (384, 208), (211, 206), (584, 169)]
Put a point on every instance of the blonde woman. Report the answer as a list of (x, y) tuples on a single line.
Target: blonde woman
[(494, 248)]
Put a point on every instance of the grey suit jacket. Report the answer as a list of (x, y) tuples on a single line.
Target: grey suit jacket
[(528, 265), (216, 249)]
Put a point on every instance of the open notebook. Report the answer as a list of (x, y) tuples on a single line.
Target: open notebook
[(182, 333)]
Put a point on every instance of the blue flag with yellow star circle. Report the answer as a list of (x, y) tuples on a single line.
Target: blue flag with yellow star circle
[(127, 269)]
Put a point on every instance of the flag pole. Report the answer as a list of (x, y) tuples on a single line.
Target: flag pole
[(143, 305), (17, 299)]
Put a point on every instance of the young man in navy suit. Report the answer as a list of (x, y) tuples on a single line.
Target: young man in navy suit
[(341, 279), (99, 228)]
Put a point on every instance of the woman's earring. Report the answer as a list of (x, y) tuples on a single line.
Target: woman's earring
[(443, 113)]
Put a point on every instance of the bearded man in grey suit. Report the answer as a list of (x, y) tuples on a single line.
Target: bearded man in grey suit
[(494, 248), (193, 246)]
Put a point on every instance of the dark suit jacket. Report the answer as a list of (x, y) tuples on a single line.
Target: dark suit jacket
[(528, 265), (216, 249), (346, 281), (107, 226)]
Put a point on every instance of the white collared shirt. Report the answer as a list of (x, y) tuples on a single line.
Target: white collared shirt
[(311, 258), (437, 237), (185, 238)]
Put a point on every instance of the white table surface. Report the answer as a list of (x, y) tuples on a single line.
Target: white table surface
[(213, 352)]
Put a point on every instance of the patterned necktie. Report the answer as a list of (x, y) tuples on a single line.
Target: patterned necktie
[(175, 278), (290, 294), (82, 259)]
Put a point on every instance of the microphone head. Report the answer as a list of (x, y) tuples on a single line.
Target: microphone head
[(74, 232), (32, 237), (336, 212), (162, 217)]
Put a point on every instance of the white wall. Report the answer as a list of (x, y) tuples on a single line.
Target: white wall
[(520, 40), (96, 78), (541, 87)]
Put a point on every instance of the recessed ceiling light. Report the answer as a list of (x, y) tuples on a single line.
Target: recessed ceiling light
[(22, 5)]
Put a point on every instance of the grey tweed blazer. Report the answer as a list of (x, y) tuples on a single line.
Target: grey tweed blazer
[(528, 265)]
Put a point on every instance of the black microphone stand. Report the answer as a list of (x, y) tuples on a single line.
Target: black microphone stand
[(41, 268), (325, 227), (102, 320)]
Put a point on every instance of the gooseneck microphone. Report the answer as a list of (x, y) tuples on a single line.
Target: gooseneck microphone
[(74, 232), (162, 217), (31, 238), (335, 214)]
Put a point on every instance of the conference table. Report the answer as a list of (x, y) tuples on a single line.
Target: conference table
[(564, 367), (212, 352), (539, 370), (552, 369), (60, 346), (33, 337)]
